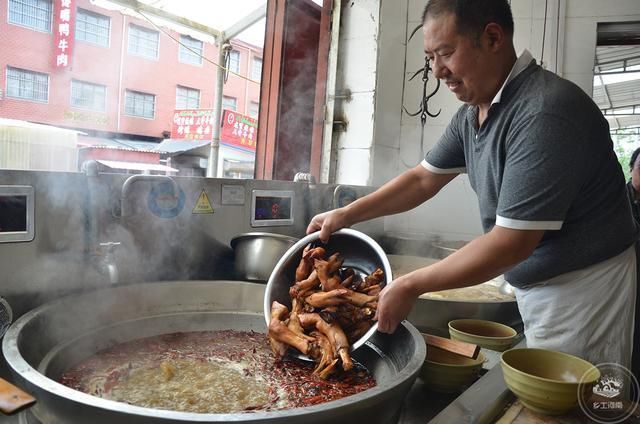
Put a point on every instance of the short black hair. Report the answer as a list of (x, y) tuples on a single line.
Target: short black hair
[(472, 16), (634, 156)]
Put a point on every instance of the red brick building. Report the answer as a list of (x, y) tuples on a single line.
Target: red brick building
[(126, 76)]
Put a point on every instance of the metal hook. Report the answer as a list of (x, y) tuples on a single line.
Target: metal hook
[(423, 111), (426, 100), (414, 31)]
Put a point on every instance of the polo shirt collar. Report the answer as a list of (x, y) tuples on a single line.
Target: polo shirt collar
[(521, 64)]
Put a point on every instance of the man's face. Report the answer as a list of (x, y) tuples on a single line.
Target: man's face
[(461, 62), (635, 175)]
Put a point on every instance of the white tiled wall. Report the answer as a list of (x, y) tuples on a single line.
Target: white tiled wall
[(357, 71)]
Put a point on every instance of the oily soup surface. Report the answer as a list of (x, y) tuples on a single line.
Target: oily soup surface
[(208, 372)]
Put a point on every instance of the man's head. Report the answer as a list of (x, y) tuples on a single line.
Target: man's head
[(470, 44)]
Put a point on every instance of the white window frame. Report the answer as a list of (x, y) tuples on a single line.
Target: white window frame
[(187, 91), (26, 72), (256, 76), (24, 4), (140, 52), (185, 55), (129, 93), (253, 104), (93, 86), (234, 61), (98, 17), (226, 100)]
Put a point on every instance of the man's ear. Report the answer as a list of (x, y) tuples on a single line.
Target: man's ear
[(494, 35)]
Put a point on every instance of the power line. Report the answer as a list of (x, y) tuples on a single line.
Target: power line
[(544, 30), (203, 57)]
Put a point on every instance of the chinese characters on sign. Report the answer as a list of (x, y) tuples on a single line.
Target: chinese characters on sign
[(239, 130), (64, 22), (196, 124), (192, 124)]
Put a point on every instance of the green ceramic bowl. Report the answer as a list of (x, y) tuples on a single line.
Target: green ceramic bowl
[(448, 372), (486, 334), (546, 381)]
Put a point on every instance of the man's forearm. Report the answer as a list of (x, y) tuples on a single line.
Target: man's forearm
[(482, 259)]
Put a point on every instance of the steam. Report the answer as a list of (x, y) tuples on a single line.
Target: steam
[(65, 255)]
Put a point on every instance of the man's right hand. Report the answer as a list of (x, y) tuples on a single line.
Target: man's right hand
[(327, 223)]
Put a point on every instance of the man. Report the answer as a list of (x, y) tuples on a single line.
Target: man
[(633, 192), (551, 192), (633, 186)]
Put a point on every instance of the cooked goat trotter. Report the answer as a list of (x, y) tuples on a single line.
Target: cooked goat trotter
[(280, 336), (334, 333), (306, 263)]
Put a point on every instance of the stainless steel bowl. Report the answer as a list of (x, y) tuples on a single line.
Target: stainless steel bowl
[(360, 252), (256, 254)]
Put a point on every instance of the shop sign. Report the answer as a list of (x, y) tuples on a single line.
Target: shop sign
[(239, 130), (93, 118), (64, 22), (192, 124)]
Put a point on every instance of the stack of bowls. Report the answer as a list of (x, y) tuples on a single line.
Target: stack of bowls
[(448, 372)]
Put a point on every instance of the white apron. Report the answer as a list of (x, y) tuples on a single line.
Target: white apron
[(588, 313)]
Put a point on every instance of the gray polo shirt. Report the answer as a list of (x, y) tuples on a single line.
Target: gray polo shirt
[(543, 160)]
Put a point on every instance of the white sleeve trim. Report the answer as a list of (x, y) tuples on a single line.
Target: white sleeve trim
[(426, 165), (518, 224)]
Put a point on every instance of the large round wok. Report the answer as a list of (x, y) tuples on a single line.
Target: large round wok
[(48, 340)]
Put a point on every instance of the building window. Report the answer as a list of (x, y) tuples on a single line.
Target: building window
[(29, 85), (93, 27), (139, 104), (234, 61), (254, 109), (34, 14), (143, 42), (230, 103), (89, 96), (256, 69), (191, 50), (187, 98)]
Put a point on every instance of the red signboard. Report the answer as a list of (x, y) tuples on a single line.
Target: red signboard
[(239, 130), (64, 23), (192, 124)]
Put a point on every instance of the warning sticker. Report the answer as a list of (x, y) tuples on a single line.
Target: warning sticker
[(203, 205)]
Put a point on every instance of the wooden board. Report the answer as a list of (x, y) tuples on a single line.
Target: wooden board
[(517, 413), (12, 399), (454, 346)]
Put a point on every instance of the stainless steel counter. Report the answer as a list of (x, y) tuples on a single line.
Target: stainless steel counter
[(481, 403)]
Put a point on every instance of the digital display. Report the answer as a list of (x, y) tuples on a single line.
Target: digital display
[(272, 207), (13, 213)]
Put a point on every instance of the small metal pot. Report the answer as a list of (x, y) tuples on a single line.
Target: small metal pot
[(256, 254)]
